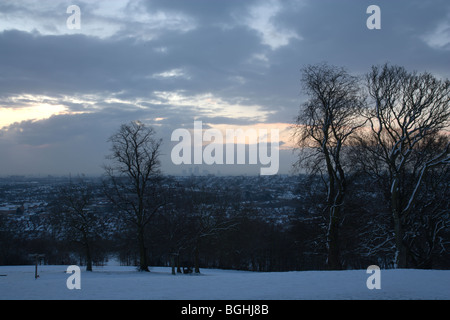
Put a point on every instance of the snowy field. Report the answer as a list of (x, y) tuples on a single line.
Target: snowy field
[(125, 283)]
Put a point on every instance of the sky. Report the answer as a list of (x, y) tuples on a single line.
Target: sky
[(167, 63)]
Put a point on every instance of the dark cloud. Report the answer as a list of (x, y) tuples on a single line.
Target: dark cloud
[(164, 63), (205, 11)]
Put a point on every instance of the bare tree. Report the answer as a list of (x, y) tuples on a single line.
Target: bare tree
[(172, 226), (133, 178), (408, 111), (325, 124), (79, 220), (428, 223), (207, 218)]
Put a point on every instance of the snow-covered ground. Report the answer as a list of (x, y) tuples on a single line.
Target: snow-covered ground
[(125, 283)]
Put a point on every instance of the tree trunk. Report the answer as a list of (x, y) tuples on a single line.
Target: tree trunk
[(400, 259), (335, 202), (333, 254), (172, 263), (143, 264), (87, 249), (197, 257), (88, 258), (178, 264)]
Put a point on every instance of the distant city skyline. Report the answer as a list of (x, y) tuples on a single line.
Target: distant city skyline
[(229, 63)]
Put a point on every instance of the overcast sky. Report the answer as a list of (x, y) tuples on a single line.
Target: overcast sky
[(228, 63)]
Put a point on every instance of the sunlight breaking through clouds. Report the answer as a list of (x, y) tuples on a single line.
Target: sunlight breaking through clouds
[(29, 107), (209, 105), (38, 112)]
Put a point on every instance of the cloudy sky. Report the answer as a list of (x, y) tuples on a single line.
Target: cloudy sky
[(228, 63)]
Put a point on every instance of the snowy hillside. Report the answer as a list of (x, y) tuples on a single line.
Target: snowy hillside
[(117, 282)]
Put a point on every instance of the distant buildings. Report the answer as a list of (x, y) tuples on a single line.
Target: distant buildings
[(7, 209)]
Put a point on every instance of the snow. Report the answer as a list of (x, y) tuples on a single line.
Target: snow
[(125, 283)]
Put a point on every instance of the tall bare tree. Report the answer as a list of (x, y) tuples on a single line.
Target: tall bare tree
[(326, 122), (407, 113), (133, 177), (207, 218), (78, 219)]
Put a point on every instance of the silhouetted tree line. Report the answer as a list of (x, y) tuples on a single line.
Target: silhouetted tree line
[(200, 227)]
